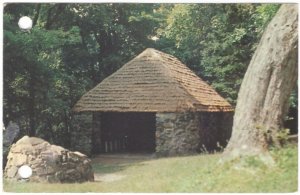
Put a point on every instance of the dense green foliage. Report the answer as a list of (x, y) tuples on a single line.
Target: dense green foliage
[(218, 40), (201, 173), (72, 47)]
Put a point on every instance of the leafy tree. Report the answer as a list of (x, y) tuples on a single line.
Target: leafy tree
[(71, 48), (217, 40), (32, 71)]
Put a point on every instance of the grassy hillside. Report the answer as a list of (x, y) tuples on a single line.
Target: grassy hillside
[(201, 173)]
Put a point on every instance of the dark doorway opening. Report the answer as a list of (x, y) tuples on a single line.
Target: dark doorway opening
[(128, 132)]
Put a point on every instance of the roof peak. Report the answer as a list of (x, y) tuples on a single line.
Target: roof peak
[(156, 54), (153, 81), (148, 51)]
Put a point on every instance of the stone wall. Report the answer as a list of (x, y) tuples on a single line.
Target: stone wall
[(96, 144), (191, 132), (86, 133), (49, 163), (81, 133), (176, 134)]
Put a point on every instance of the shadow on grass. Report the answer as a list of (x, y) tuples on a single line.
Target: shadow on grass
[(106, 168)]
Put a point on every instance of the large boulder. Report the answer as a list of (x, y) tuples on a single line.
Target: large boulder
[(49, 163)]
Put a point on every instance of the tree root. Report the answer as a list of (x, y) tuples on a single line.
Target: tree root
[(238, 154)]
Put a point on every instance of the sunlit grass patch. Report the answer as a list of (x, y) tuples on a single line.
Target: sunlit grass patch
[(200, 173)]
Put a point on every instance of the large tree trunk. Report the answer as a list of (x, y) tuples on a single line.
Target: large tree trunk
[(263, 97)]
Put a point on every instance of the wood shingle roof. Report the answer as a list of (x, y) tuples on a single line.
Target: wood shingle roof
[(153, 82)]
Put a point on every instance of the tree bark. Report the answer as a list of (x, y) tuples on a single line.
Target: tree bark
[(263, 97)]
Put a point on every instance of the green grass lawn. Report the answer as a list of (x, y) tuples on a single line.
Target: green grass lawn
[(201, 173)]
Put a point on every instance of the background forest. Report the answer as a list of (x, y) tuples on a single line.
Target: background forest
[(73, 47)]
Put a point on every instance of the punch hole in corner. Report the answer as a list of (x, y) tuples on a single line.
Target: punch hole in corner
[(25, 172)]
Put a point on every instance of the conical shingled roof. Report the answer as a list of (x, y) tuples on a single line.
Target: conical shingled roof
[(153, 82)]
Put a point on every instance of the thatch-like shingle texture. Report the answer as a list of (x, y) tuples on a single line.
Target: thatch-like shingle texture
[(153, 82)]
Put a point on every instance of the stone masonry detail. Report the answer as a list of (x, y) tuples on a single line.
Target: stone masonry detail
[(176, 134), (186, 133), (49, 163)]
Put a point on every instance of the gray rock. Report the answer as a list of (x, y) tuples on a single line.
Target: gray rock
[(10, 133)]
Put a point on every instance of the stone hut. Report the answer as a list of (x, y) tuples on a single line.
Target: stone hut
[(155, 103)]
